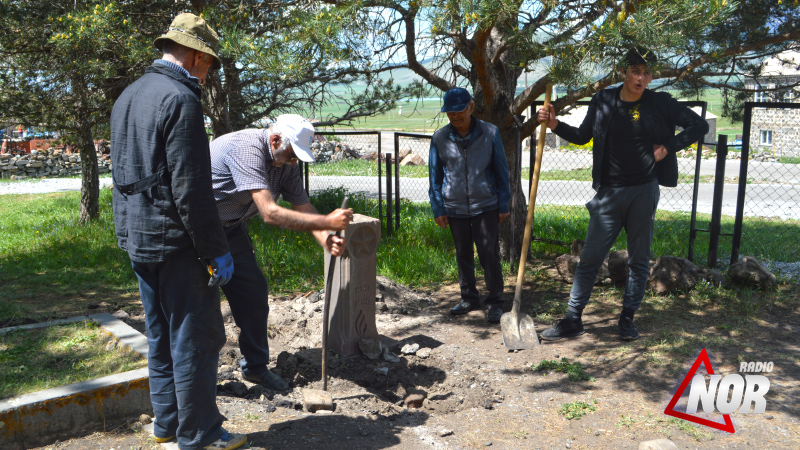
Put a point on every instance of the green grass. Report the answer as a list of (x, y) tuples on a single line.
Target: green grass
[(360, 167), (36, 359), (763, 238), (789, 160), (573, 370), (420, 117), (52, 266), (576, 409)]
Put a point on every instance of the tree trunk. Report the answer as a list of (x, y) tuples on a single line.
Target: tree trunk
[(90, 183)]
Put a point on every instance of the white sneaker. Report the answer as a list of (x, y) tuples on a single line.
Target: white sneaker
[(228, 441)]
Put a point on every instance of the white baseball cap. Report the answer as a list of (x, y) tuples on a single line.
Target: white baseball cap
[(300, 133)]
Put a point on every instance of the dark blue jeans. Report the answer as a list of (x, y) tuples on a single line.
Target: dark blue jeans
[(611, 210), (248, 297), (185, 334), (482, 231)]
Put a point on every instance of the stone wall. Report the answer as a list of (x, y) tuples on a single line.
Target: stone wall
[(47, 163)]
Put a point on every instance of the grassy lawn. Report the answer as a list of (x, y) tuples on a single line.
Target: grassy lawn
[(35, 359), (53, 267)]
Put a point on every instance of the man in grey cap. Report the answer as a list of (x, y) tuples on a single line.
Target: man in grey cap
[(250, 170), (470, 192), (166, 219)]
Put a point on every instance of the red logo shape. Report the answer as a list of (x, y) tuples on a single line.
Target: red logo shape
[(702, 358)]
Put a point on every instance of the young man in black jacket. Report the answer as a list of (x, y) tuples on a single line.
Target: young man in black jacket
[(634, 150)]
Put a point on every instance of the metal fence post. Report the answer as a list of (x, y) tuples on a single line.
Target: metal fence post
[(389, 224), (740, 199), (396, 187), (695, 193), (716, 207)]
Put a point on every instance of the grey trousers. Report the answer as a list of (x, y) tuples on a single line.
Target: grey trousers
[(611, 210)]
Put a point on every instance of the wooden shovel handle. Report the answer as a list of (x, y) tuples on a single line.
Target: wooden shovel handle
[(537, 166)]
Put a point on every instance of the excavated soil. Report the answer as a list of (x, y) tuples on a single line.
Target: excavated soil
[(457, 387)]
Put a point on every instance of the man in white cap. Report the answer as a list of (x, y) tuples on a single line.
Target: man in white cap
[(166, 221), (251, 169)]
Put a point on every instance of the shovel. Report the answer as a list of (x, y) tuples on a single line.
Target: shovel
[(326, 312), (518, 329), (314, 399)]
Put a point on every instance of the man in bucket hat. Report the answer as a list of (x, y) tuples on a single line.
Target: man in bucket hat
[(166, 220), (250, 170), (470, 193)]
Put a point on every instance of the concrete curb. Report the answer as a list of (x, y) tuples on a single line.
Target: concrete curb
[(40, 418)]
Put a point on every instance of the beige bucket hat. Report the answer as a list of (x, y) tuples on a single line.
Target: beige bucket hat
[(193, 32)]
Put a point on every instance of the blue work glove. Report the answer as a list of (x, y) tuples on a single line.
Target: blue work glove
[(221, 270)]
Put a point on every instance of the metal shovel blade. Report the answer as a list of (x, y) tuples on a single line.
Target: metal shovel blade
[(518, 331)]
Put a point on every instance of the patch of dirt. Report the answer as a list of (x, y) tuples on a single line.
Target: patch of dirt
[(461, 389)]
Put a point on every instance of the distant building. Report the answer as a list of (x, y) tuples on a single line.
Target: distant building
[(776, 130)]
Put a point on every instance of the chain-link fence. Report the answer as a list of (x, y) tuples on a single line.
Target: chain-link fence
[(768, 191), (346, 160), (412, 170), (566, 173)]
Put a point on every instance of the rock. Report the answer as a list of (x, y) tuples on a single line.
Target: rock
[(233, 387), (403, 153), (412, 160), (409, 349), (315, 400), (286, 361), (144, 419), (415, 399), (443, 432), (618, 267), (282, 401), (120, 314), (424, 352), (389, 356), (658, 444), (576, 248), (713, 276), (382, 371), (566, 265), (670, 274), (749, 271), (371, 348)]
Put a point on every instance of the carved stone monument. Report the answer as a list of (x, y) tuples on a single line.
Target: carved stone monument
[(352, 308)]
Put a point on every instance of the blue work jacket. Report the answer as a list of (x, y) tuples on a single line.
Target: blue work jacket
[(465, 182)]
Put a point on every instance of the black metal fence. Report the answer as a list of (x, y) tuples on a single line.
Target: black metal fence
[(759, 195), (768, 190)]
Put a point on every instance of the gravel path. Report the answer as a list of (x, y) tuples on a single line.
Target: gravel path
[(42, 186)]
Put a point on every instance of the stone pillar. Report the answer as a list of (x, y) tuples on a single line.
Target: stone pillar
[(352, 308)]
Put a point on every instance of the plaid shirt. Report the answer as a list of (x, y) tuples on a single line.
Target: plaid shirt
[(242, 161)]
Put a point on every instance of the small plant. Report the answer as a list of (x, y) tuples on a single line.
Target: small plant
[(626, 421), (251, 417), (573, 370), (688, 428), (576, 409)]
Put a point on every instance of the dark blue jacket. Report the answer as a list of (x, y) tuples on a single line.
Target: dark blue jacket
[(661, 114), (469, 182), (163, 202)]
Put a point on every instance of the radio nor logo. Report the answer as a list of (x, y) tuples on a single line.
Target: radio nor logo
[(722, 394)]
